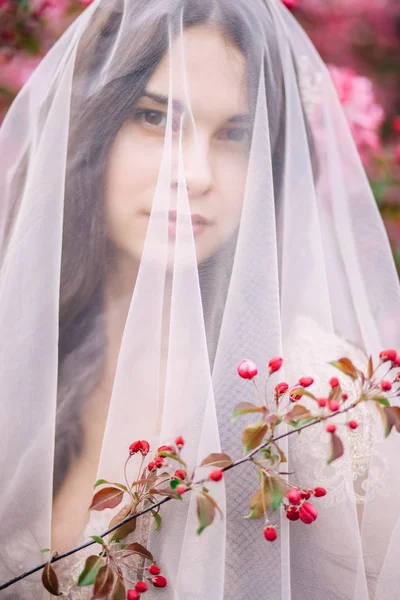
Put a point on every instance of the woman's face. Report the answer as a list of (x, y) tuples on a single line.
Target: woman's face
[(215, 141)]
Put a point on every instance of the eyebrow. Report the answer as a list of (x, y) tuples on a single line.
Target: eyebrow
[(179, 106)]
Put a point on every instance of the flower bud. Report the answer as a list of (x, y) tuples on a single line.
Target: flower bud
[(322, 402), (318, 492), (386, 385), (386, 355), (333, 405), (180, 441), (294, 496), (180, 474), (247, 369), (281, 388), (216, 475), (331, 428), (270, 533), (275, 364), (353, 424), (132, 595), (141, 586), (308, 513), (306, 381), (154, 570), (334, 382), (295, 394), (159, 581), (292, 513)]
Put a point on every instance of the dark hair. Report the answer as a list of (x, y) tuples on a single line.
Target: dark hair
[(96, 118)]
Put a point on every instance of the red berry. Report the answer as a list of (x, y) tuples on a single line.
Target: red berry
[(132, 595), (270, 533), (159, 581), (247, 369), (353, 424), (141, 586), (292, 513), (334, 382), (396, 362), (135, 447), (151, 466), (181, 489), (275, 364), (295, 394), (159, 461), (331, 428), (322, 402), (305, 494), (154, 570), (333, 405), (294, 496), (180, 474), (318, 492), (308, 513), (386, 385), (216, 475), (344, 396), (180, 441), (281, 388), (306, 381), (388, 355), (144, 450)]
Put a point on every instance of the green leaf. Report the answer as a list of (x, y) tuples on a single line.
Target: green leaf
[(337, 449), (46, 550), (217, 459), (244, 408), (174, 483), (345, 366), (98, 539), (277, 488), (88, 575), (50, 580), (381, 400), (136, 548), (173, 456), (253, 435), (103, 583), (205, 513), (108, 497), (119, 591), (118, 485), (157, 519), (259, 502)]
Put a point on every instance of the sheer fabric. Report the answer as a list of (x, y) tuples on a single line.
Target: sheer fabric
[(179, 191)]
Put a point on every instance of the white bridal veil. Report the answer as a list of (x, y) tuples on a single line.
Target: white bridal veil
[(179, 191)]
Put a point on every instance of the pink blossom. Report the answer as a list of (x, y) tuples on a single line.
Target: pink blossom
[(15, 72), (364, 115)]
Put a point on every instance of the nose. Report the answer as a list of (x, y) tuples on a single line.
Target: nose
[(197, 166)]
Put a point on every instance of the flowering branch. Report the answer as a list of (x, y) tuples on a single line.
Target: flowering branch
[(105, 571)]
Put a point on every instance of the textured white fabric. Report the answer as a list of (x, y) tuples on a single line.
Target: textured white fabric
[(122, 320)]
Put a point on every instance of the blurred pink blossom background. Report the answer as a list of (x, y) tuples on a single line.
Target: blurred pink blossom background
[(358, 39)]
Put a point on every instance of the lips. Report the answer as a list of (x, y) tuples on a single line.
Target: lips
[(196, 218)]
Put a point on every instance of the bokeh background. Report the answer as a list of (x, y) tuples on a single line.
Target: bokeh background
[(358, 39)]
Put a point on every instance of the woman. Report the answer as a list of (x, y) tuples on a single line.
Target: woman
[(180, 190)]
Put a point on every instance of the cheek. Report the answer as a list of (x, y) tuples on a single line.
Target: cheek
[(231, 178)]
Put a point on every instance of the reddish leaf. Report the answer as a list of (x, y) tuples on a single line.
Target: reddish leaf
[(92, 566), (108, 497), (136, 548), (219, 460), (370, 367), (297, 412), (50, 580), (205, 513), (337, 448), (119, 591), (253, 435), (259, 502), (126, 528), (244, 408), (392, 414), (103, 583), (345, 366), (213, 502)]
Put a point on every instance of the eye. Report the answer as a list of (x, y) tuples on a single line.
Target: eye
[(153, 118), (238, 135)]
